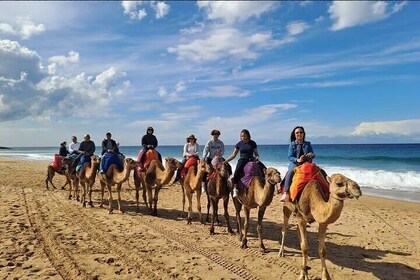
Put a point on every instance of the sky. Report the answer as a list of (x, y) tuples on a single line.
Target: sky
[(348, 72)]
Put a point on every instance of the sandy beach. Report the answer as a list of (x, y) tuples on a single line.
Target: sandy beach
[(46, 236)]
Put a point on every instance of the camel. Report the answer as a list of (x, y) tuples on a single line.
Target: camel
[(157, 176), (86, 177), (51, 173), (259, 194), (115, 177), (313, 207), (192, 183), (217, 188)]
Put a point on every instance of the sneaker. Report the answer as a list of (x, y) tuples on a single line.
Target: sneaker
[(203, 189), (235, 192), (285, 197), (102, 172)]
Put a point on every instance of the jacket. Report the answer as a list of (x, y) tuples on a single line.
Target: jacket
[(294, 149)]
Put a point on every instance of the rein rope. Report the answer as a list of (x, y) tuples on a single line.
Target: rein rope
[(385, 222)]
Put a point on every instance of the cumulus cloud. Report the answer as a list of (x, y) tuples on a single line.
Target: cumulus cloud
[(296, 27), (28, 91), (404, 127), (346, 14), (23, 28), (225, 43), (232, 11), (135, 11), (73, 57)]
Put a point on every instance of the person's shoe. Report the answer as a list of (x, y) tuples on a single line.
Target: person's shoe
[(285, 197), (203, 189), (102, 172), (235, 192)]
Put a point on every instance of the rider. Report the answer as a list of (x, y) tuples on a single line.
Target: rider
[(108, 146), (87, 147), (248, 152), (214, 147), (149, 142)]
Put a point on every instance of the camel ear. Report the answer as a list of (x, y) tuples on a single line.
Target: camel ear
[(329, 179)]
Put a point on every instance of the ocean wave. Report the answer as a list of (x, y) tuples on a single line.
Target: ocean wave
[(410, 160)]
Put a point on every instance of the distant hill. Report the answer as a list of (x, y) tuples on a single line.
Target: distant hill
[(4, 148)]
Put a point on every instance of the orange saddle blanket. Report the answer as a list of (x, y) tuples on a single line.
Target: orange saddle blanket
[(305, 173), (150, 155)]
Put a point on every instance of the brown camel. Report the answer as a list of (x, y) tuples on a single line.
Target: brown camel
[(155, 176), (115, 177), (51, 173), (313, 207), (86, 178), (217, 188), (259, 194), (192, 183)]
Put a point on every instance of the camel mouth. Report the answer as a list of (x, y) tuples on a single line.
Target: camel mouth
[(351, 195)]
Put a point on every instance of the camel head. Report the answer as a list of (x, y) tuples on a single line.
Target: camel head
[(343, 187), (272, 176), (67, 160), (130, 163), (171, 163), (95, 159), (203, 166)]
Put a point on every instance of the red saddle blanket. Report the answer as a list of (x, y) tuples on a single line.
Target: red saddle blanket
[(192, 161), (303, 175), (57, 163), (150, 155)]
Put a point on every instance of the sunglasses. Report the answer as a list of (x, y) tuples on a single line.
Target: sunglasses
[(298, 132)]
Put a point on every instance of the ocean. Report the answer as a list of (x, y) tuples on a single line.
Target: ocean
[(375, 167)]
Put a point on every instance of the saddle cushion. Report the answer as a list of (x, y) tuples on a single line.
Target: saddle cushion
[(150, 155), (84, 159), (57, 163), (303, 174), (192, 161), (111, 158), (251, 170)]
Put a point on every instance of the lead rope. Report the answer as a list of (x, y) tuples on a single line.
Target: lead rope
[(373, 212)]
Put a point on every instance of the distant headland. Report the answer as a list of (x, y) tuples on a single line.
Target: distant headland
[(4, 148)]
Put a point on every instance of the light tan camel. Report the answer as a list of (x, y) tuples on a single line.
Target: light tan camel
[(86, 178), (51, 173), (115, 177), (313, 207), (259, 194), (217, 188), (192, 183), (155, 176)]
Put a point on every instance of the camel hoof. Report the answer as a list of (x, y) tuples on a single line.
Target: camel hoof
[(189, 221), (84, 204), (62, 188), (281, 254), (70, 196), (91, 204), (120, 212), (325, 275), (263, 250), (244, 244), (110, 211), (212, 231), (101, 205), (231, 232)]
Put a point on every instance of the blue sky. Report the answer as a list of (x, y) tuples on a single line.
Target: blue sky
[(349, 72)]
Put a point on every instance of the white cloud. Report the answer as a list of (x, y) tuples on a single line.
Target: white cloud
[(296, 27), (161, 8), (24, 28), (162, 92), (404, 127), (132, 8), (225, 43), (73, 57), (27, 91), (231, 11), (221, 92), (346, 14)]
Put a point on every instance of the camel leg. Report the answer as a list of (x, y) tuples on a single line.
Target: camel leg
[(109, 199), (246, 227), (217, 211), (90, 193), (183, 200), (226, 206), (322, 250), (102, 193), (155, 199), (238, 208), (137, 185), (150, 198), (50, 176), (67, 182), (304, 248), (213, 201), (143, 183), (286, 217), (119, 198), (261, 211), (83, 200), (209, 203), (70, 188), (189, 217), (199, 206)]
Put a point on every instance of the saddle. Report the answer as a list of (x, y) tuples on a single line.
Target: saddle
[(251, 170), (150, 155), (192, 161), (303, 175), (111, 158)]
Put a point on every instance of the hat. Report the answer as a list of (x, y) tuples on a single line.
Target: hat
[(86, 136), (191, 137), (150, 128)]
